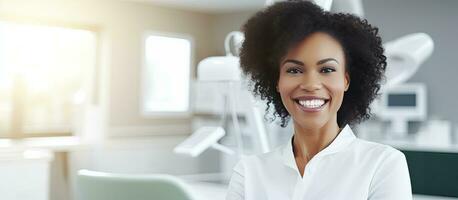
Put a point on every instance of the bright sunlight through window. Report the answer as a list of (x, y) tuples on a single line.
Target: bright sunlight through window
[(45, 73), (166, 75)]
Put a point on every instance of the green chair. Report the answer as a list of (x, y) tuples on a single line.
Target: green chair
[(94, 185)]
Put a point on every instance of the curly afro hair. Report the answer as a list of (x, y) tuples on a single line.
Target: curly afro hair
[(270, 33)]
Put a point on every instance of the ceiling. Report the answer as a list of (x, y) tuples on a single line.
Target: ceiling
[(209, 6), (234, 6)]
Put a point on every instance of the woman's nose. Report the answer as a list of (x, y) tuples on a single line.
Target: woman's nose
[(311, 83)]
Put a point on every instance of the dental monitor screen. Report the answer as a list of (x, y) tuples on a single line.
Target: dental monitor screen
[(402, 100)]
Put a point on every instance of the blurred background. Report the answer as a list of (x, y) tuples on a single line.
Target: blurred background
[(113, 86)]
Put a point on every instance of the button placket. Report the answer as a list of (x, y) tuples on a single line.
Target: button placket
[(299, 190), (310, 167), (305, 181)]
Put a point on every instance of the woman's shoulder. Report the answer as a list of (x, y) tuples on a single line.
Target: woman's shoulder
[(389, 170), (376, 151), (366, 144)]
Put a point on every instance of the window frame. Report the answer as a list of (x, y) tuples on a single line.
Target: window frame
[(144, 77)]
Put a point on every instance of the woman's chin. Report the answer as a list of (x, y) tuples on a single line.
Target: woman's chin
[(310, 122)]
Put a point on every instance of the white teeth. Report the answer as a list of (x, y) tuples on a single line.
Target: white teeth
[(314, 103)]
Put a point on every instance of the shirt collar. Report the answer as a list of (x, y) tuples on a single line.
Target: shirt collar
[(343, 139)]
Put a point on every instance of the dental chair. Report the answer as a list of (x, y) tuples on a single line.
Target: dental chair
[(92, 185)]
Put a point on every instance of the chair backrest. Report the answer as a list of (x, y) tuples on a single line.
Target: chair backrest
[(94, 185)]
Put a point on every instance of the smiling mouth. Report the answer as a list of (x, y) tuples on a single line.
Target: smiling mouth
[(311, 104)]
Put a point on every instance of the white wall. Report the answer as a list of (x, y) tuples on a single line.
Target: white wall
[(223, 24)]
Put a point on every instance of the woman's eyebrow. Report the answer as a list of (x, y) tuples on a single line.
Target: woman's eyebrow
[(318, 63), (326, 60), (294, 61)]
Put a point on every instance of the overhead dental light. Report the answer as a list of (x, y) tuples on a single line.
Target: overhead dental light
[(405, 55)]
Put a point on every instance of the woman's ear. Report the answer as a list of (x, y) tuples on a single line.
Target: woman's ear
[(347, 81)]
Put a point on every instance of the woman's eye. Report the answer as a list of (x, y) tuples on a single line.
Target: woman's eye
[(327, 70), (293, 71)]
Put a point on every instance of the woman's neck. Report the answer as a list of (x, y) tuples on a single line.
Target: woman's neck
[(308, 142)]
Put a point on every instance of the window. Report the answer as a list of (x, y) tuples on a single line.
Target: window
[(166, 75), (45, 74)]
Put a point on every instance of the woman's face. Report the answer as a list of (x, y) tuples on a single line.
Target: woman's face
[(313, 80)]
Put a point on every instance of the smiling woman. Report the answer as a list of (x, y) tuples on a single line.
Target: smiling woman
[(322, 70), (312, 81)]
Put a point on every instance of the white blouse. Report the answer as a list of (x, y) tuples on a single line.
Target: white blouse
[(349, 168)]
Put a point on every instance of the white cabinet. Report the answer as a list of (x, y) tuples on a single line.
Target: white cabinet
[(24, 174)]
